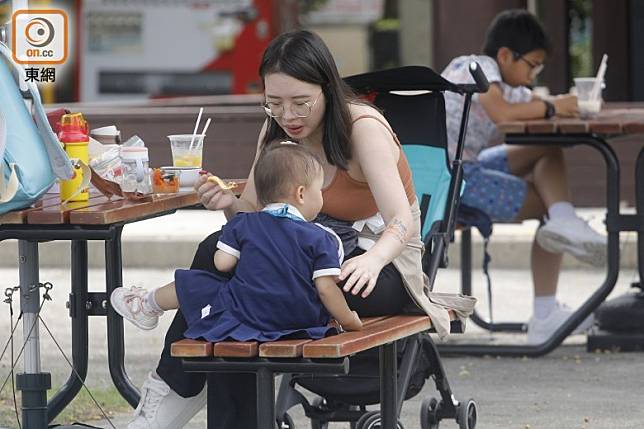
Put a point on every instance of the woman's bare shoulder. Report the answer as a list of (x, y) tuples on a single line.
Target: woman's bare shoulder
[(359, 109)]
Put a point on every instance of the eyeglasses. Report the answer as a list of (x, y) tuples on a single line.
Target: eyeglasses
[(535, 68), (300, 110)]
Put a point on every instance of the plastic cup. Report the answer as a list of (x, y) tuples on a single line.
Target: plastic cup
[(183, 155), (588, 107)]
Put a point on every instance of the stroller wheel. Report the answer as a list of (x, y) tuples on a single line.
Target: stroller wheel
[(286, 422), (466, 414), (429, 414), (371, 420)]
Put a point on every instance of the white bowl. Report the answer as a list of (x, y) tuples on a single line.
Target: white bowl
[(187, 175)]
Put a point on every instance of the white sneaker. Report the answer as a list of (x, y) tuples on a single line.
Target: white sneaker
[(539, 330), (162, 408), (573, 235), (129, 303)]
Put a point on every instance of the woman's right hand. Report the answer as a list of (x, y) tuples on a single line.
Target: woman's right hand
[(211, 195)]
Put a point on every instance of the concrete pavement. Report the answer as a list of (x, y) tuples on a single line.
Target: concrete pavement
[(568, 388)]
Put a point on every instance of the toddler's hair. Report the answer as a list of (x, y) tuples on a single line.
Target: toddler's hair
[(282, 166), (516, 29)]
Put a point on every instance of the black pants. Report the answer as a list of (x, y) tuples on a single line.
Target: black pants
[(235, 399)]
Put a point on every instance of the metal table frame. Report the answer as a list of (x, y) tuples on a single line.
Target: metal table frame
[(615, 223), (36, 411)]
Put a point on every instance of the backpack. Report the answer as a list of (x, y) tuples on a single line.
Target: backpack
[(32, 156)]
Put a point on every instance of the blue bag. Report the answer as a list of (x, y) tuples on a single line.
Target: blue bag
[(32, 156)]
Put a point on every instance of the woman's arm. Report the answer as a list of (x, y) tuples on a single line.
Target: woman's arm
[(215, 198), (224, 262), (377, 154), (334, 302), (499, 110)]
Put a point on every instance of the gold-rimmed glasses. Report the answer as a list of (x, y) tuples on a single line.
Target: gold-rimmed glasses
[(300, 110)]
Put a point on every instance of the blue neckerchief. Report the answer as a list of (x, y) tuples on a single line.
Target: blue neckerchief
[(284, 210)]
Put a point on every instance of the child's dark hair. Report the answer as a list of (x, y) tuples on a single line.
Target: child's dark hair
[(517, 30), (303, 55), (281, 166)]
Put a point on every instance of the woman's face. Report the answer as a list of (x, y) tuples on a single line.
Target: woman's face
[(289, 99)]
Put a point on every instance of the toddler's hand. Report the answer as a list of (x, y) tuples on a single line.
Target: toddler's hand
[(565, 105)]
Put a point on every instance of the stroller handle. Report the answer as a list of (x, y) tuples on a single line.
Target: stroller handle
[(481, 83)]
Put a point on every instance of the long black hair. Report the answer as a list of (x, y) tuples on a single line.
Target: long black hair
[(304, 56)]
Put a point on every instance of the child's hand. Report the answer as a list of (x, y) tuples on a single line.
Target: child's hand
[(565, 105), (355, 324)]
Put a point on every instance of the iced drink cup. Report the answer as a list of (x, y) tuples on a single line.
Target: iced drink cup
[(588, 107), (183, 154)]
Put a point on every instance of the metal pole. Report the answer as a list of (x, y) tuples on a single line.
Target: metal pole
[(115, 342), (32, 383), (265, 399), (388, 385), (78, 314)]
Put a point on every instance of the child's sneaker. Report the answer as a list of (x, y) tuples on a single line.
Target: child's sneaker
[(573, 235), (539, 330), (130, 304)]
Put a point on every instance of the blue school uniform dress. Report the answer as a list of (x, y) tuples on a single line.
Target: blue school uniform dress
[(272, 293)]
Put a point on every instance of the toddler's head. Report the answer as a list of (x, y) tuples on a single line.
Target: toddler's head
[(518, 43), (289, 172)]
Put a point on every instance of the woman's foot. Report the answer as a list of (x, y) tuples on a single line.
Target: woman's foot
[(162, 408), (541, 329), (573, 235), (132, 305)]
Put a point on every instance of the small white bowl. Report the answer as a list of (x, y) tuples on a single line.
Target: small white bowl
[(187, 175)]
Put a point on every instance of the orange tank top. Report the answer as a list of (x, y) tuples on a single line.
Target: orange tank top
[(349, 199)]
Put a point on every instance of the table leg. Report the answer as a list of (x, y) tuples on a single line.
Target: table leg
[(265, 399), (115, 343), (32, 383), (388, 386), (639, 205), (78, 313)]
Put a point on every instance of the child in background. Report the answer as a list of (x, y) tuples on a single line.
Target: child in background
[(513, 183), (285, 266)]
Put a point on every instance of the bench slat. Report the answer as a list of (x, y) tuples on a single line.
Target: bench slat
[(191, 348), (376, 334), (293, 348), (244, 349)]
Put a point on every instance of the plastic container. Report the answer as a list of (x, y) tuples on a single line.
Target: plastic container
[(136, 170), (185, 154), (74, 136)]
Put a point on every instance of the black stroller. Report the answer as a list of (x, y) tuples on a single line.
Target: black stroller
[(412, 101)]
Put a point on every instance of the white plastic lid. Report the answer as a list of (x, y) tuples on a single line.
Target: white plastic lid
[(133, 153)]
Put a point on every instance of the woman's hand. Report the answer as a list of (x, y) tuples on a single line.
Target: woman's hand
[(211, 195), (565, 105), (361, 273)]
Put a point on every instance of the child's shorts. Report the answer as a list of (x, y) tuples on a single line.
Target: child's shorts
[(491, 187)]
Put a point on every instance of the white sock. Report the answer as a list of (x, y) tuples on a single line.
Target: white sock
[(150, 303), (561, 209), (543, 305)]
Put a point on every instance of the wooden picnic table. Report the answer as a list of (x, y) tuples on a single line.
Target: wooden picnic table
[(100, 218), (616, 120)]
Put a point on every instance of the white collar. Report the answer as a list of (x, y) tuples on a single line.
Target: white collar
[(285, 208)]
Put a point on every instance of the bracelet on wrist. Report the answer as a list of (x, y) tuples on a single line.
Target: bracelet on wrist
[(550, 109)]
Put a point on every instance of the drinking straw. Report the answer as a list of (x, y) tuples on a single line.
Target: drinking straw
[(194, 133), (601, 72), (205, 127)]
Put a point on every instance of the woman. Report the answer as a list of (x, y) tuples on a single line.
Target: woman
[(365, 173)]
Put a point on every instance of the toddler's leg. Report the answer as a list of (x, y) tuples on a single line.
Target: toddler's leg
[(165, 297), (137, 305)]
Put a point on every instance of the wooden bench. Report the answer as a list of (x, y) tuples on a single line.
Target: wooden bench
[(305, 356)]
